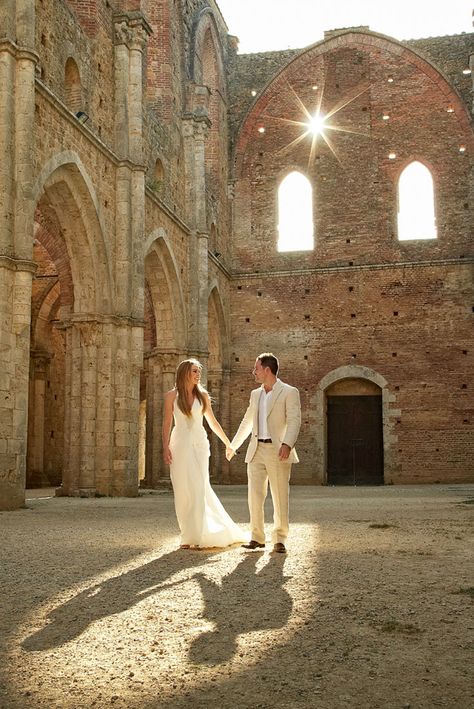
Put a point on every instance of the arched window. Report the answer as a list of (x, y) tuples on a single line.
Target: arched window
[(159, 172), (72, 86), (295, 213), (416, 213)]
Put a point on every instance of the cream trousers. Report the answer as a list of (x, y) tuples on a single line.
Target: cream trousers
[(266, 467)]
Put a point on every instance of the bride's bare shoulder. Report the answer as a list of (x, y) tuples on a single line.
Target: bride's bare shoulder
[(171, 395)]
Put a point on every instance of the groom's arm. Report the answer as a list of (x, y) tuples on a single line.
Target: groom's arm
[(293, 417), (244, 429)]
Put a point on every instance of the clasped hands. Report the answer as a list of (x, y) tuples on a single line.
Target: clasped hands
[(283, 453)]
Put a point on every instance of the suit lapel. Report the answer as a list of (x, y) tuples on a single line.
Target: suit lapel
[(277, 389), (256, 409)]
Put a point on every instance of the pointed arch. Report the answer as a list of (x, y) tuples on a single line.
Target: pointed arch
[(416, 203), (64, 192), (205, 27), (165, 292), (218, 331), (366, 40)]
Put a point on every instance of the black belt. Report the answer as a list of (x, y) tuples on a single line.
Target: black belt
[(264, 440)]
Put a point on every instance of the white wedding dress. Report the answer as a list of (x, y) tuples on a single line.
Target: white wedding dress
[(202, 519)]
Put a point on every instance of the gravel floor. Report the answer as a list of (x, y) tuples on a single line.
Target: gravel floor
[(371, 607)]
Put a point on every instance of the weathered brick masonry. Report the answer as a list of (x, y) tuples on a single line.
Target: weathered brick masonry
[(361, 298), (138, 225)]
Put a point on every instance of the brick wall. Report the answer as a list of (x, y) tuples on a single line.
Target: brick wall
[(349, 300)]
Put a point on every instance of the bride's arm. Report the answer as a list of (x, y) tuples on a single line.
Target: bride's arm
[(214, 424), (167, 423)]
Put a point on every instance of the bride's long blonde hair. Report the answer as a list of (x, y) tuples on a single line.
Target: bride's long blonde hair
[(182, 375)]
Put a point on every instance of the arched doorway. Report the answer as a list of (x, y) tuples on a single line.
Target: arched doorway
[(354, 433)]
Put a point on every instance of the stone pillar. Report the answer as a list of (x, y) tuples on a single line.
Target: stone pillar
[(225, 421), (35, 457), (160, 368), (131, 30), (214, 386), (141, 441), (196, 126), (103, 359), (17, 76), (15, 308), (219, 390), (471, 67), (154, 418)]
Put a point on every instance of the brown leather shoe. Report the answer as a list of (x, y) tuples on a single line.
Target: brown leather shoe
[(253, 545), (279, 548)]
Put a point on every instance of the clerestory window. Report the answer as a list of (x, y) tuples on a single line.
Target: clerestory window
[(295, 213), (416, 209)]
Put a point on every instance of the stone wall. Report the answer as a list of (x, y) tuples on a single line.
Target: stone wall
[(138, 226)]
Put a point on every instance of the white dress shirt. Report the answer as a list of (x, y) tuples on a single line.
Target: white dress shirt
[(262, 413)]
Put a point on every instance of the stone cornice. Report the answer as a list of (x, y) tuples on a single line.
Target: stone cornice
[(91, 137), (6, 45), (167, 210), (362, 267), (219, 265), (81, 318), (17, 264)]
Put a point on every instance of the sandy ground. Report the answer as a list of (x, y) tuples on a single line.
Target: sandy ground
[(371, 607)]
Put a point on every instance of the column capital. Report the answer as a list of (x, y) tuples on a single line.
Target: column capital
[(197, 106), (131, 29), (167, 360)]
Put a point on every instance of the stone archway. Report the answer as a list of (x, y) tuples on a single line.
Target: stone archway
[(361, 375), (99, 368), (165, 346)]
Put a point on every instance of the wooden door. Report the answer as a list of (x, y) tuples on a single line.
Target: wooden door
[(355, 442)]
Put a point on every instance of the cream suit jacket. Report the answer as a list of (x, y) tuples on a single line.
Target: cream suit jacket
[(283, 420)]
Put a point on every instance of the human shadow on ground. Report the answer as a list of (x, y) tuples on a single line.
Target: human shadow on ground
[(114, 595), (241, 604)]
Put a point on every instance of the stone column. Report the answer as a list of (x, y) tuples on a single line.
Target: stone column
[(169, 372), (131, 30), (196, 126), (154, 418), (471, 67), (214, 386), (160, 370), (103, 359), (39, 374), (225, 421), (17, 75)]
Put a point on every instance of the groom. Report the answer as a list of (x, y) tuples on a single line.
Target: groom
[(273, 418)]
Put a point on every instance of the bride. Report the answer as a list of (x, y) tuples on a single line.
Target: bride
[(202, 519)]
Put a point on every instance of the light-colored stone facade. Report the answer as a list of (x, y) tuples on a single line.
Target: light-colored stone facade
[(138, 213)]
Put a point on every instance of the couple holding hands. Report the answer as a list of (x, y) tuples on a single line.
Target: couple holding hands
[(272, 419)]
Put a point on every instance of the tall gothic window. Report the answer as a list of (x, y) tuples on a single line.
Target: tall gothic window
[(416, 210), (295, 213)]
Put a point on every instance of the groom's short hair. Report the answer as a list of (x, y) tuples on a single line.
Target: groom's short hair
[(267, 359)]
